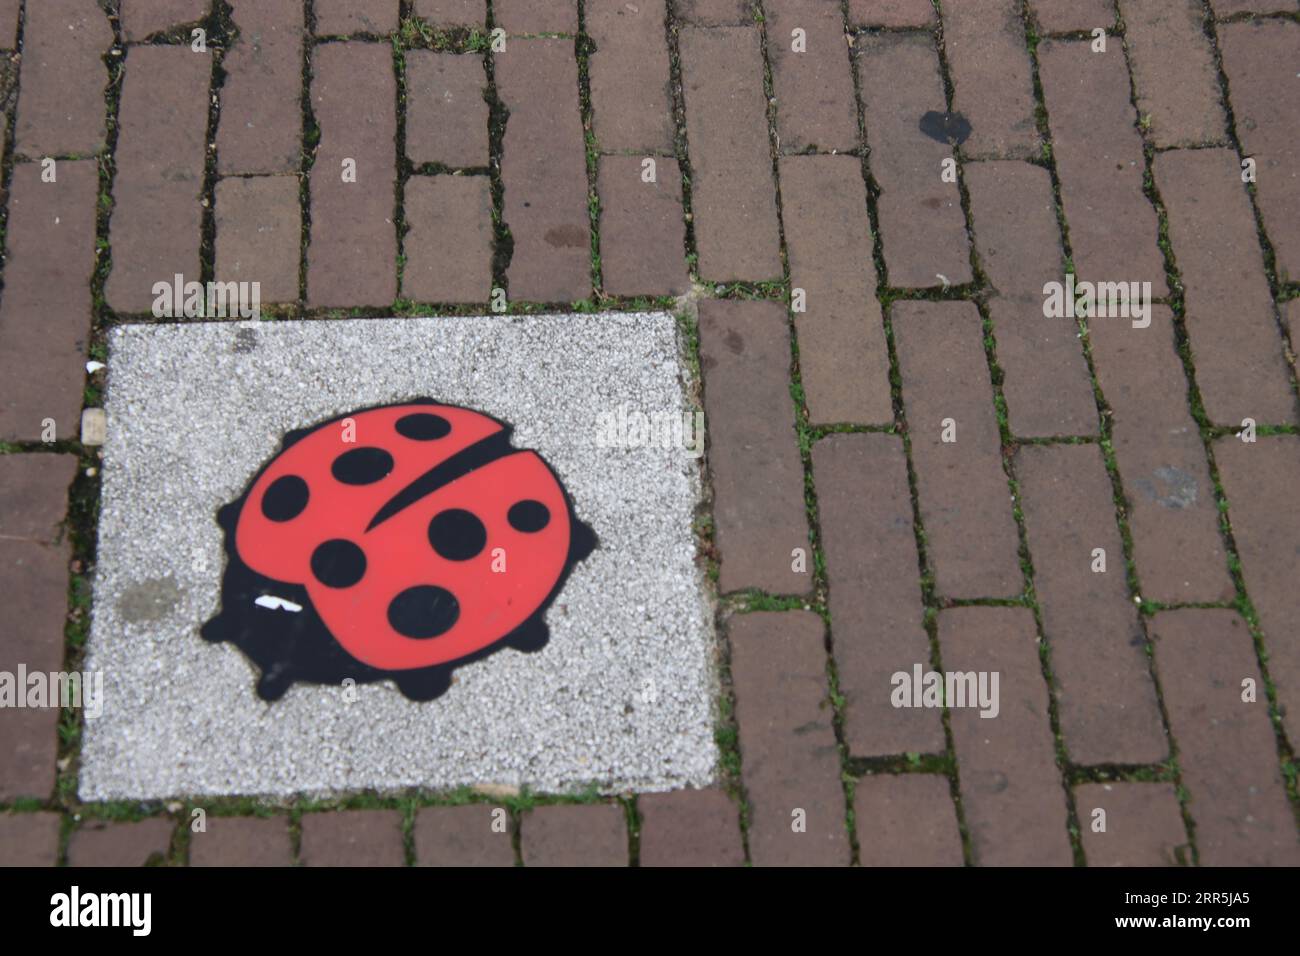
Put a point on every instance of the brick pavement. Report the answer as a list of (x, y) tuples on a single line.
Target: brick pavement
[(910, 467)]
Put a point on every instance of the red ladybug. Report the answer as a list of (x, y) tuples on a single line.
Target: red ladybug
[(394, 542)]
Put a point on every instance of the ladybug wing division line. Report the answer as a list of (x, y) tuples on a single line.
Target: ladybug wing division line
[(421, 542)]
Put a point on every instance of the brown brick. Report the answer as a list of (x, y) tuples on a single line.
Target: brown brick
[(962, 489), (259, 234), (29, 839), (906, 820), (1226, 748), (9, 11), (1258, 57), (352, 259), (545, 172), (1174, 74), (992, 84), (157, 219), (45, 310), (642, 235), (242, 841), (1010, 786), (1107, 702), (142, 18), (1045, 378), (442, 13), (789, 757), (1240, 365), (446, 115), (1259, 483), (104, 843), (577, 835), (449, 247), (34, 578), (1227, 8), (630, 99), (1171, 511), (62, 78), (690, 828), (843, 355), (920, 216), (1098, 153), (714, 12), (733, 199), (536, 16), (469, 835), (1144, 826), (261, 101), (875, 590), (753, 452), (814, 86), (352, 838), (346, 17), (1065, 16), (891, 13)]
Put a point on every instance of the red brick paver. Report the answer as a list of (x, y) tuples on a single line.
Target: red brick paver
[(449, 247), (992, 86), (964, 499), (843, 356), (630, 98), (1226, 748), (352, 259), (242, 841), (582, 835), (1107, 701), (259, 234), (690, 828), (261, 101), (61, 107), (444, 13), (906, 820), (9, 12), (536, 16), (1010, 787), (875, 598), (734, 203), (714, 12), (1259, 483), (1239, 364), (921, 220), (156, 227), (1257, 58), (752, 452), (642, 238), (477, 834), (45, 308), (545, 172), (789, 758), (29, 839), (352, 838), (811, 76), (446, 114), (34, 576), (103, 843), (1142, 825), (891, 13), (141, 18), (1064, 16), (347, 17)]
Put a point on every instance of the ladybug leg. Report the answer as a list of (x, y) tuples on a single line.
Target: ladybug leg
[(427, 683), (530, 636), (274, 682)]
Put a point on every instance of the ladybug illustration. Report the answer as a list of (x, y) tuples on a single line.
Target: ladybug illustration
[(394, 542)]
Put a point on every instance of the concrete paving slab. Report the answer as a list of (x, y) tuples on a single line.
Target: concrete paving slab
[(622, 696)]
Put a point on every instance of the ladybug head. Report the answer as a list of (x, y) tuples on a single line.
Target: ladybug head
[(395, 542)]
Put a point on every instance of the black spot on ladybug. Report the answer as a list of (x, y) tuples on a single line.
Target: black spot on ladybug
[(338, 563), (423, 426), (457, 535), (285, 499), (529, 516), (362, 466), (423, 611)]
